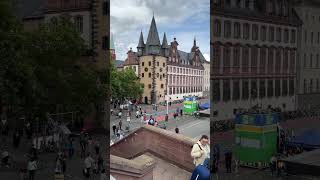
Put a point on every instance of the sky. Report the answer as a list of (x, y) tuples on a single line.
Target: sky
[(183, 19)]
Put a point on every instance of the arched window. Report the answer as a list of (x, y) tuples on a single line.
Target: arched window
[(270, 60), (216, 59), (245, 59), (254, 60), (217, 28)]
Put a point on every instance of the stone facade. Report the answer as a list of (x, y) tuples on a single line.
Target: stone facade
[(206, 79), (308, 92), (254, 51), (174, 148)]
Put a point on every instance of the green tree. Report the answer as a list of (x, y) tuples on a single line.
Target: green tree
[(125, 84)]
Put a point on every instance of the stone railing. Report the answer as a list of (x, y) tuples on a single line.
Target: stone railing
[(167, 145)]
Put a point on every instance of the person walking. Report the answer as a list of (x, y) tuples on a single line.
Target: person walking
[(176, 130), (97, 147), (228, 161), (181, 112), (114, 128), (16, 139), (82, 146), (120, 124), (273, 164), (88, 162), (201, 150), (166, 118), (32, 167), (100, 163), (137, 114), (71, 148)]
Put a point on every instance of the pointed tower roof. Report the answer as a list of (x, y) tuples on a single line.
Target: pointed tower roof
[(153, 36), (164, 41), (141, 41), (111, 42), (194, 42)]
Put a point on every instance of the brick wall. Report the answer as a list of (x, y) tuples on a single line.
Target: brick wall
[(174, 148)]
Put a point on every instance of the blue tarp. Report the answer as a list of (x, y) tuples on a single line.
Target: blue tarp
[(204, 106), (308, 139)]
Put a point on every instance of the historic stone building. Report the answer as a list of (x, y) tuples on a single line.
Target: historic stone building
[(254, 53), (163, 68), (132, 62), (90, 17), (308, 93), (206, 78)]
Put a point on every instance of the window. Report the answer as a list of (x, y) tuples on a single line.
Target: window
[(311, 85), (293, 61), (278, 61), (142, 74), (305, 60), (246, 31), (284, 87), (217, 28), (236, 59), (245, 59), (262, 89), (227, 29), (254, 59), (305, 86), (216, 90), (149, 75), (149, 63), (286, 36), (245, 89), (79, 23), (285, 61), (105, 8), (277, 88), (226, 60), (291, 87), (164, 64), (279, 34), (161, 86), (317, 85), (311, 37), (317, 61), (158, 75), (105, 43), (236, 90), (237, 30), (271, 34), (262, 60), (263, 33), (226, 90), (305, 36), (293, 36), (311, 59), (270, 60), (318, 37), (158, 63), (270, 88), (254, 89), (142, 63), (149, 86), (247, 4), (216, 61), (255, 30)]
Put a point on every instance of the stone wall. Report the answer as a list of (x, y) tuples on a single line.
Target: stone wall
[(174, 148)]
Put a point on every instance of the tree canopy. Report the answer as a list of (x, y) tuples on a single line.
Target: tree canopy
[(125, 84), (42, 68)]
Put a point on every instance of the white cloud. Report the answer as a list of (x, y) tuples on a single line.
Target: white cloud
[(207, 56), (129, 17)]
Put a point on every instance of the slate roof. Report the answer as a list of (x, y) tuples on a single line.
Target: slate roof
[(119, 63), (164, 41), (141, 41), (153, 36)]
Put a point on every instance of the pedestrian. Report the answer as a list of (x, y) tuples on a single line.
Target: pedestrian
[(228, 161), (236, 163), (201, 150), (156, 107), (64, 163), (100, 163), (32, 167), (120, 124), (82, 146), (174, 116), (118, 132), (88, 162), (97, 147), (114, 128), (71, 148), (273, 162), (176, 130), (137, 114), (120, 114), (166, 118), (181, 112), (103, 175), (16, 139)]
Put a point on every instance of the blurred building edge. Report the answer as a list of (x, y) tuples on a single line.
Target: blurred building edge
[(308, 71), (91, 18), (144, 151), (254, 55)]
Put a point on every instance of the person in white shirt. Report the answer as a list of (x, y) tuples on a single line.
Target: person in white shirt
[(88, 162), (201, 150), (32, 167)]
